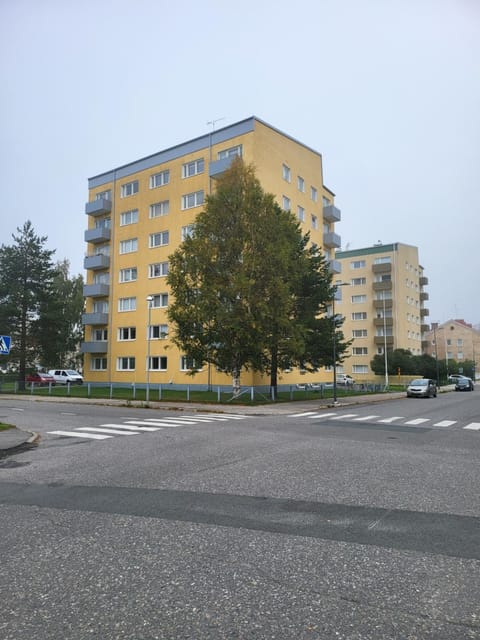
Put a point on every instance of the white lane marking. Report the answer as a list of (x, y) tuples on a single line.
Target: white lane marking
[(223, 416), (75, 434), (15, 409), (445, 423), (158, 424), (418, 421), (322, 415), (343, 416), (115, 431), (474, 426), (130, 427), (301, 415), (175, 420), (364, 418), (392, 419)]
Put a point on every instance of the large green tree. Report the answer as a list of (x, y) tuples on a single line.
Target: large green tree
[(26, 276), (246, 289)]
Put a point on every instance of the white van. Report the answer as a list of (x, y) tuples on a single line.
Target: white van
[(65, 376)]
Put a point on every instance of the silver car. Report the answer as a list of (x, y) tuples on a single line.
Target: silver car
[(422, 388)]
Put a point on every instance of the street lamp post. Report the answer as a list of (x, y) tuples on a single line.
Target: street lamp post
[(436, 352), (335, 290), (385, 341), (147, 391)]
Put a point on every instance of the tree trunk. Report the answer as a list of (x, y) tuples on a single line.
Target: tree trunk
[(236, 383)]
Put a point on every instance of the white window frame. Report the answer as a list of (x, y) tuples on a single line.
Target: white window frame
[(128, 217), (161, 363), (159, 301), (300, 213), (359, 299), (314, 221), (360, 368), (286, 203), (158, 269), (128, 246), (194, 199), (157, 332), (230, 152), (301, 184), (158, 239), (129, 189), (127, 304), (158, 209), (314, 194), (359, 315), (358, 264), (104, 195), (286, 173), (360, 351), (129, 274), (359, 333), (126, 334), (160, 179), (193, 168), (126, 363), (187, 231), (98, 364), (187, 364)]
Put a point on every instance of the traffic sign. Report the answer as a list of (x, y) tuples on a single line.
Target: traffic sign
[(5, 345)]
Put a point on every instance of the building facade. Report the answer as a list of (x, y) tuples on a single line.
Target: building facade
[(140, 212), (382, 298), (453, 340)]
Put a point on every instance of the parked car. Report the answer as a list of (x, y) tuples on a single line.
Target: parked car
[(464, 384), (454, 377), (422, 388), (65, 376), (344, 378), (42, 379)]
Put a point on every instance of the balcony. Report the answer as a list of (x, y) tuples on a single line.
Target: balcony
[(425, 345), (383, 322), (334, 266), (423, 281), (331, 240), (385, 285), (99, 234), (218, 167), (424, 328), (424, 312), (383, 267), (95, 318), (94, 347), (381, 340), (99, 290), (423, 295), (378, 304), (99, 261), (98, 207), (331, 213)]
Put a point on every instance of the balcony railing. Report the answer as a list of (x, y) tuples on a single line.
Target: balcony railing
[(423, 295), (331, 213), (424, 312), (378, 304), (95, 318), (331, 240), (99, 234), (218, 167), (98, 207), (423, 281), (385, 285), (381, 340), (382, 267), (383, 322), (94, 347), (99, 261), (99, 290)]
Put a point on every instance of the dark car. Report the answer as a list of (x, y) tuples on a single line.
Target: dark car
[(464, 384), (42, 379), (422, 388)]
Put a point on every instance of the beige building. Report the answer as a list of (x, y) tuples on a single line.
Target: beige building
[(140, 212), (382, 298), (453, 340)]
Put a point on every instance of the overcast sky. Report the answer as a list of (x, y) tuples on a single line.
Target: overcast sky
[(387, 90)]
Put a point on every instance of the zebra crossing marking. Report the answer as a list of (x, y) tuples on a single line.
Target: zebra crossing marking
[(365, 418), (418, 421), (130, 427), (445, 423), (392, 419), (473, 426), (322, 415), (342, 416), (75, 434), (116, 432)]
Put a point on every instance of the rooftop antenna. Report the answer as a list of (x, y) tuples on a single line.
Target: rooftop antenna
[(212, 123)]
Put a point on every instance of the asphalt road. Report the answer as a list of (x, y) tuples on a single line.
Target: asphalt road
[(357, 522)]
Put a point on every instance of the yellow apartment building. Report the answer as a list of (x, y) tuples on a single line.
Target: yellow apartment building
[(382, 296), (140, 212), (453, 340)]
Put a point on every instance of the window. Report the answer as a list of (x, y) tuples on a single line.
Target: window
[(359, 333), (286, 203), (128, 275), (159, 209), (360, 368), (325, 201), (104, 195), (383, 260), (230, 153), (101, 250), (459, 342), (129, 189), (127, 304), (193, 168), (191, 200), (286, 173), (100, 335), (128, 246), (98, 364), (157, 363), (460, 355), (103, 223), (357, 264), (313, 194), (359, 315), (101, 278), (158, 332), (128, 217), (159, 239), (127, 333), (314, 221), (360, 351), (187, 231), (100, 306), (301, 214), (359, 299), (160, 300), (159, 179), (301, 184), (126, 364), (187, 364), (357, 282), (158, 269)]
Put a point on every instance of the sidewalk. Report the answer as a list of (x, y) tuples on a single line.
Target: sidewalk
[(14, 438)]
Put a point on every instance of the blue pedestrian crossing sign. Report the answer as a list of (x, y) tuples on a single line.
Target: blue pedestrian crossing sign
[(5, 345)]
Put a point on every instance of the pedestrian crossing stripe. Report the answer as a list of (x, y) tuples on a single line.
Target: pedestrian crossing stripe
[(75, 434), (313, 415), (474, 426)]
